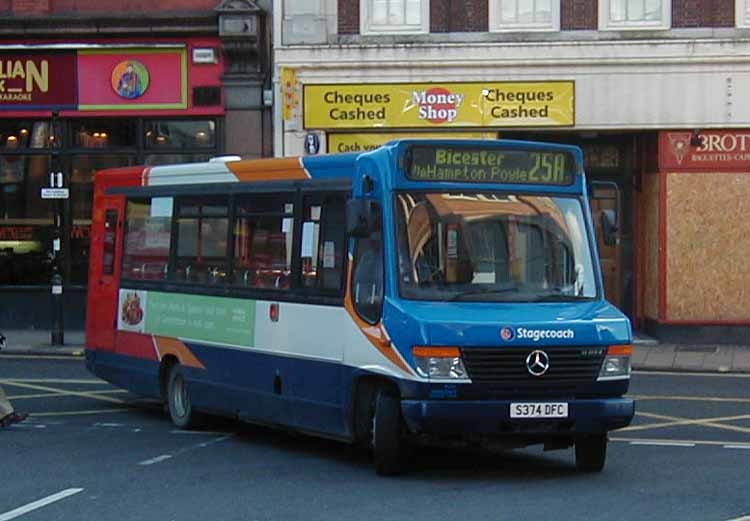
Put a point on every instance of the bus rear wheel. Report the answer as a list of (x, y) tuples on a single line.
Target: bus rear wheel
[(180, 406), (390, 450), (591, 452)]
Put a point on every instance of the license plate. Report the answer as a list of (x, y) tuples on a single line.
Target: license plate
[(538, 410)]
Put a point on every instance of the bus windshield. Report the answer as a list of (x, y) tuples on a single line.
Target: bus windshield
[(492, 247)]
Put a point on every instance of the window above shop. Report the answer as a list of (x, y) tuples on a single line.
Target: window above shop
[(103, 133), (394, 16), (177, 134), (524, 15), (742, 13), (623, 15), (26, 134)]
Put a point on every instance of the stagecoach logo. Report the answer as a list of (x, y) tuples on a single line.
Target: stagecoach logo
[(437, 105), (679, 142), (537, 363), (506, 334)]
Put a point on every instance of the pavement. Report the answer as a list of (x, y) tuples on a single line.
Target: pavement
[(648, 354)]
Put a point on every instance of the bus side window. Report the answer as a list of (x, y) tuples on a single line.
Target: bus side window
[(323, 242), (147, 241), (367, 280), (263, 235), (202, 240)]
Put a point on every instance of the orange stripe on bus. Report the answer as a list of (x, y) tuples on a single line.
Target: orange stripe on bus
[(276, 169), (376, 333), (172, 346)]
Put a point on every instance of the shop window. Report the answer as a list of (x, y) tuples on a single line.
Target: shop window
[(323, 242), (148, 226), (22, 135), (178, 134), (83, 168), (104, 133), (394, 16), (524, 15), (619, 15), (263, 235), (202, 230), (171, 159)]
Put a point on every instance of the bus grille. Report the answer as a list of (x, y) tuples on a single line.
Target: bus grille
[(505, 368)]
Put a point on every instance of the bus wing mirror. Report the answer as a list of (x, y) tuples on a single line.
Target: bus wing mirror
[(608, 221), (359, 218)]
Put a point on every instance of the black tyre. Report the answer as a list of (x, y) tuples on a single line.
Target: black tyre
[(591, 452), (390, 450), (178, 400)]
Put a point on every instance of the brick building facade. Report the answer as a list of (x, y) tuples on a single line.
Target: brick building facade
[(655, 102)]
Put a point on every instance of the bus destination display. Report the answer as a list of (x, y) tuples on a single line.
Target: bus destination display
[(487, 165)]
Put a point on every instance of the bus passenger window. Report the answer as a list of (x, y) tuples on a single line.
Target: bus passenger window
[(148, 226), (263, 234), (202, 228), (324, 242)]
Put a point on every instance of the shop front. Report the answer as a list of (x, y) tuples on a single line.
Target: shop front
[(68, 110), (695, 242), (353, 118)]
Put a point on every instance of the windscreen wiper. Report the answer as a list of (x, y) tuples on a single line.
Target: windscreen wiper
[(483, 291)]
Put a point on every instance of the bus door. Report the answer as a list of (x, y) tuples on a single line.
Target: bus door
[(104, 279)]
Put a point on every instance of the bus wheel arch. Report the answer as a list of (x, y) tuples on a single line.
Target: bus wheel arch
[(379, 425)]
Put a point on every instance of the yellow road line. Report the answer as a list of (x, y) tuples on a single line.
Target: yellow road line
[(49, 395), (688, 398), (665, 440), (62, 392), (702, 422), (76, 413), (704, 375)]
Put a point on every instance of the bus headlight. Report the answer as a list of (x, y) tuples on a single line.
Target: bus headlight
[(439, 362), (616, 364)]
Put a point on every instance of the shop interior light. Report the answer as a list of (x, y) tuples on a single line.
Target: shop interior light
[(24, 131)]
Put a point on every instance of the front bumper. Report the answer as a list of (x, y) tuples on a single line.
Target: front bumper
[(492, 418)]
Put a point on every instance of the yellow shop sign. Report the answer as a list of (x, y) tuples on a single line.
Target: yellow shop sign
[(439, 105), (361, 142)]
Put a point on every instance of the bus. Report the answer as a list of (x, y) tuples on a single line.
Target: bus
[(423, 292)]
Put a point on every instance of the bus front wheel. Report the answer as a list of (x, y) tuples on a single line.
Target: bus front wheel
[(178, 400), (591, 452), (388, 445)]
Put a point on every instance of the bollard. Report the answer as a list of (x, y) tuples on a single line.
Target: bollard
[(57, 310)]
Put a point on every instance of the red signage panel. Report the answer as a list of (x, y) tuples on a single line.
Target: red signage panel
[(37, 81), (704, 150)]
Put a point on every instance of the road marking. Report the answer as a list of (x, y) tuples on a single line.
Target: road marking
[(75, 358), (39, 504), (703, 375), (179, 452), (77, 413), (702, 422), (735, 446), (55, 381), (205, 433), (743, 518), (688, 398), (49, 395), (61, 392), (695, 442), (664, 443), (157, 459)]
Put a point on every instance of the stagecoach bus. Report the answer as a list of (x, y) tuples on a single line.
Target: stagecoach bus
[(428, 290)]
